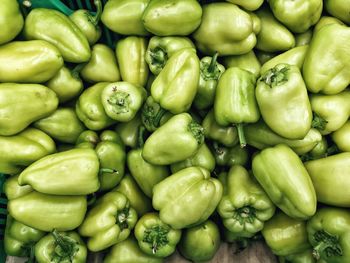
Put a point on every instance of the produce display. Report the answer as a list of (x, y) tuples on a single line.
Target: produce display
[(138, 128)]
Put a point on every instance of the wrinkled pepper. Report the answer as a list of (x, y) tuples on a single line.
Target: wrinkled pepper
[(11, 20)]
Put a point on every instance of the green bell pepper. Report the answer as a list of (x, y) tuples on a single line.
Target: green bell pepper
[(111, 154), (331, 112), (235, 155), (47, 212), (329, 176), (283, 101), (13, 190), (161, 49), (129, 251), (102, 66), (339, 8), (90, 109), (176, 86), (260, 136), (187, 198), (264, 56), (202, 158), (341, 137), (56, 28), (138, 200), (273, 36), (33, 61), (19, 239), (247, 61), (319, 151), (172, 17), (210, 72), (122, 100), (328, 72), (155, 237), (294, 56), (327, 20), (200, 243), (231, 26), (130, 53), (285, 235), (302, 257), (61, 247), (235, 101), (131, 131), (245, 206), (88, 23), (11, 20), (328, 231), (108, 222), (66, 84), (176, 140), (303, 39), (73, 172), (22, 104), (145, 174), (297, 15), (250, 5), (286, 181), (62, 125), (125, 17), (227, 136), (24, 148)]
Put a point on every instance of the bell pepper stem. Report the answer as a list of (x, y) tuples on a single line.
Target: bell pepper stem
[(65, 247), (108, 170), (317, 250), (96, 18), (241, 135), (212, 65), (318, 122), (158, 56)]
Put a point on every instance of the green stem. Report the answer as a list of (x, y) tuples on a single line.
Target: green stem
[(241, 135), (96, 18), (158, 56), (108, 170), (318, 122), (77, 69), (212, 65), (31, 256), (317, 250)]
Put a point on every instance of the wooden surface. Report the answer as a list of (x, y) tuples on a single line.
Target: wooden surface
[(257, 252)]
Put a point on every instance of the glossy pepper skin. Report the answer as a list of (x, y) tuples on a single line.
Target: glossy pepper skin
[(235, 101), (200, 243), (73, 172), (11, 20), (56, 28), (61, 212), (235, 155), (328, 232), (67, 84), (273, 36), (247, 5), (286, 181), (33, 61), (130, 131), (200, 196), (90, 109), (102, 66), (145, 174), (302, 257), (22, 104), (138, 200), (178, 139), (161, 49), (62, 125), (129, 251), (210, 72), (232, 27), (19, 238), (111, 155), (122, 100), (125, 17), (283, 101), (305, 13), (328, 72), (172, 18), (339, 8), (245, 206), (341, 137), (61, 247), (285, 235), (24, 148), (330, 111), (329, 176), (327, 20), (247, 61), (13, 190), (108, 222), (260, 136), (130, 53), (176, 86), (88, 23), (155, 237)]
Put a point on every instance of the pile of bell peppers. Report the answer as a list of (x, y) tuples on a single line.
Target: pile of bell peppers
[(206, 122)]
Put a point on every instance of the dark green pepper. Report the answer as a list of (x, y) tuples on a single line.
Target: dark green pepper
[(11, 20), (235, 155)]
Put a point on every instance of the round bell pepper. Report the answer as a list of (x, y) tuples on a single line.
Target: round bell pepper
[(11, 20), (13, 190), (247, 61), (155, 237), (250, 5), (341, 137), (130, 131), (339, 8)]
